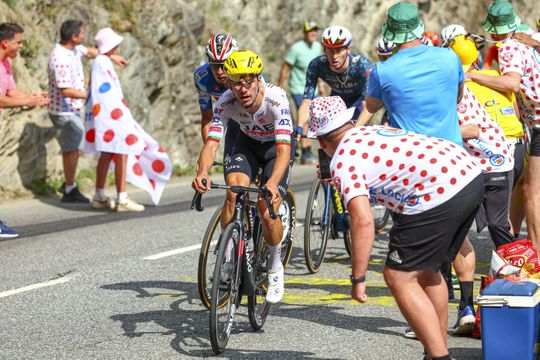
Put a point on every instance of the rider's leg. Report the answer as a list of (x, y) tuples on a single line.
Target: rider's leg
[(230, 199)]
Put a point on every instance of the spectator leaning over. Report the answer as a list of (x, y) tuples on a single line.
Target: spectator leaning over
[(434, 188), (67, 93), (420, 87), (294, 66), (520, 73), (10, 96)]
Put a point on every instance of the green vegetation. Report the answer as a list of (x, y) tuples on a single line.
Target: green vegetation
[(44, 187), (30, 51), (11, 3)]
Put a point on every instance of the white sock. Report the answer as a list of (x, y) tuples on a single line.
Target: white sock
[(122, 197), (274, 258), (70, 187), (100, 194)]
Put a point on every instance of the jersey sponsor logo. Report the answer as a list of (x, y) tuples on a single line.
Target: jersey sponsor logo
[(388, 132), (507, 56), (491, 103), (285, 112), (394, 256), (323, 120), (199, 75), (497, 160), (284, 122), (215, 119), (272, 102), (509, 110), (410, 200), (283, 132)]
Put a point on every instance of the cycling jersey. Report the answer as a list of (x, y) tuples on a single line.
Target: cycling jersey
[(408, 173), (524, 60), (491, 150), (207, 87), (499, 105), (271, 122), (351, 85)]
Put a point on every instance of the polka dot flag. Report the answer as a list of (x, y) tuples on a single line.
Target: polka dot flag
[(110, 127)]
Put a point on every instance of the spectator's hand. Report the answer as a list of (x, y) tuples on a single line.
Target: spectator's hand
[(526, 39), (119, 60), (358, 292), (468, 74), (38, 99), (198, 185)]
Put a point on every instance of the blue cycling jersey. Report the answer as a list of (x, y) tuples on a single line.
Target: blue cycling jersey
[(351, 85), (207, 87)]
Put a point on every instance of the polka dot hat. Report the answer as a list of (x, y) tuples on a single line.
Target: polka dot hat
[(326, 114)]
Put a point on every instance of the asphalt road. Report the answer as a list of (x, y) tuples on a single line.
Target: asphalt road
[(78, 284)]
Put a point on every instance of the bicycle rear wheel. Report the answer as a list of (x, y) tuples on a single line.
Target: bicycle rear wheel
[(317, 225), (258, 307), (287, 213), (225, 297), (207, 258), (380, 216)]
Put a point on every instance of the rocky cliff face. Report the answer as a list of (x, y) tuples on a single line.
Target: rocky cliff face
[(164, 43)]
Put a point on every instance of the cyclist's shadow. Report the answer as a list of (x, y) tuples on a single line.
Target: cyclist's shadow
[(188, 325)]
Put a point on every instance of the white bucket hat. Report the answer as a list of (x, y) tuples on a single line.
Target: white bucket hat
[(106, 40), (326, 114)]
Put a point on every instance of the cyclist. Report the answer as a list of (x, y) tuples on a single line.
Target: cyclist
[(385, 49), (345, 72), (433, 186), (210, 79), (264, 141), (520, 72)]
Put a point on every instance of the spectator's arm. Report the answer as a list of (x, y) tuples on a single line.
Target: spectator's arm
[(285, 68), (73, 93), (92, 52), (469, 131), (507, 82), (365, 116)]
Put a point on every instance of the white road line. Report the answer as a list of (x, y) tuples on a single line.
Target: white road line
[(34, 286), (186, 249), (176, 251)]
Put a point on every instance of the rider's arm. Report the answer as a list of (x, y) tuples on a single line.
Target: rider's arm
[(303, 112), (206, 120), (362, 238)]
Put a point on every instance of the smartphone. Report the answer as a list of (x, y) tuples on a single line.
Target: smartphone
[(324, 165)]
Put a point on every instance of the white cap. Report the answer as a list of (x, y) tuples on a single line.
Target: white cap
[(326, 114), (106, 40)]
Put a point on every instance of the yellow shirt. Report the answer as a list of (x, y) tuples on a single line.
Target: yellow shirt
[(499, 105)]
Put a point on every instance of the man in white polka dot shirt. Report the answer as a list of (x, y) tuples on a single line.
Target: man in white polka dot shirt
[(433, 186), (520, 73)]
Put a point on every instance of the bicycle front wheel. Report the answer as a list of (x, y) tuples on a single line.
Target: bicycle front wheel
[(225, 297), (258, 307), (207, 258), (287, 213), (317, 225), (380, 216)]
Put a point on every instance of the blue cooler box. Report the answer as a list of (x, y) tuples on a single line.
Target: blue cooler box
[(510, 320)]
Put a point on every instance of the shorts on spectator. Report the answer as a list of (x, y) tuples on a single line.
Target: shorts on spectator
[(425, 241), (535, 142), (69, 131)]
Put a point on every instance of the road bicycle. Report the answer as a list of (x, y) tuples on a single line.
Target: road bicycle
[(209, 245), (325, 215), (240, 266)]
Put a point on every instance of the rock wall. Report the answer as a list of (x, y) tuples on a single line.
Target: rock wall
[(164, 43)]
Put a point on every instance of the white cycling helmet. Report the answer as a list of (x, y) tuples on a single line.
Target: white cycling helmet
[(385, 47), (336, 37), (449, 32), (220, 47)]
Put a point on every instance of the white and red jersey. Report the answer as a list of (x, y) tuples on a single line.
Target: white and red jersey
[(524, 60), (407, 172), (491, 150), (271, 122), (66, 71)]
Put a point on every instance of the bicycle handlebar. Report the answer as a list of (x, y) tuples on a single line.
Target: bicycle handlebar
[(196, 202)]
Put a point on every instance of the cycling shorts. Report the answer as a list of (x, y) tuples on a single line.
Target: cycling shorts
[(535, 142)]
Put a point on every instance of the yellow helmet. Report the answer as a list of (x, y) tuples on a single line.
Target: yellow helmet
[(465, 48), (242, 63)]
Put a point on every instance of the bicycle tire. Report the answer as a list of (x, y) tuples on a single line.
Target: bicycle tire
[(225, 288), (381, 216), (347, 236), (207, 249), (287, 243), (258, 307), (314, 225)]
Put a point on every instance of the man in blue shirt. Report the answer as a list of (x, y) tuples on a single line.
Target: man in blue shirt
[(420, 86)]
